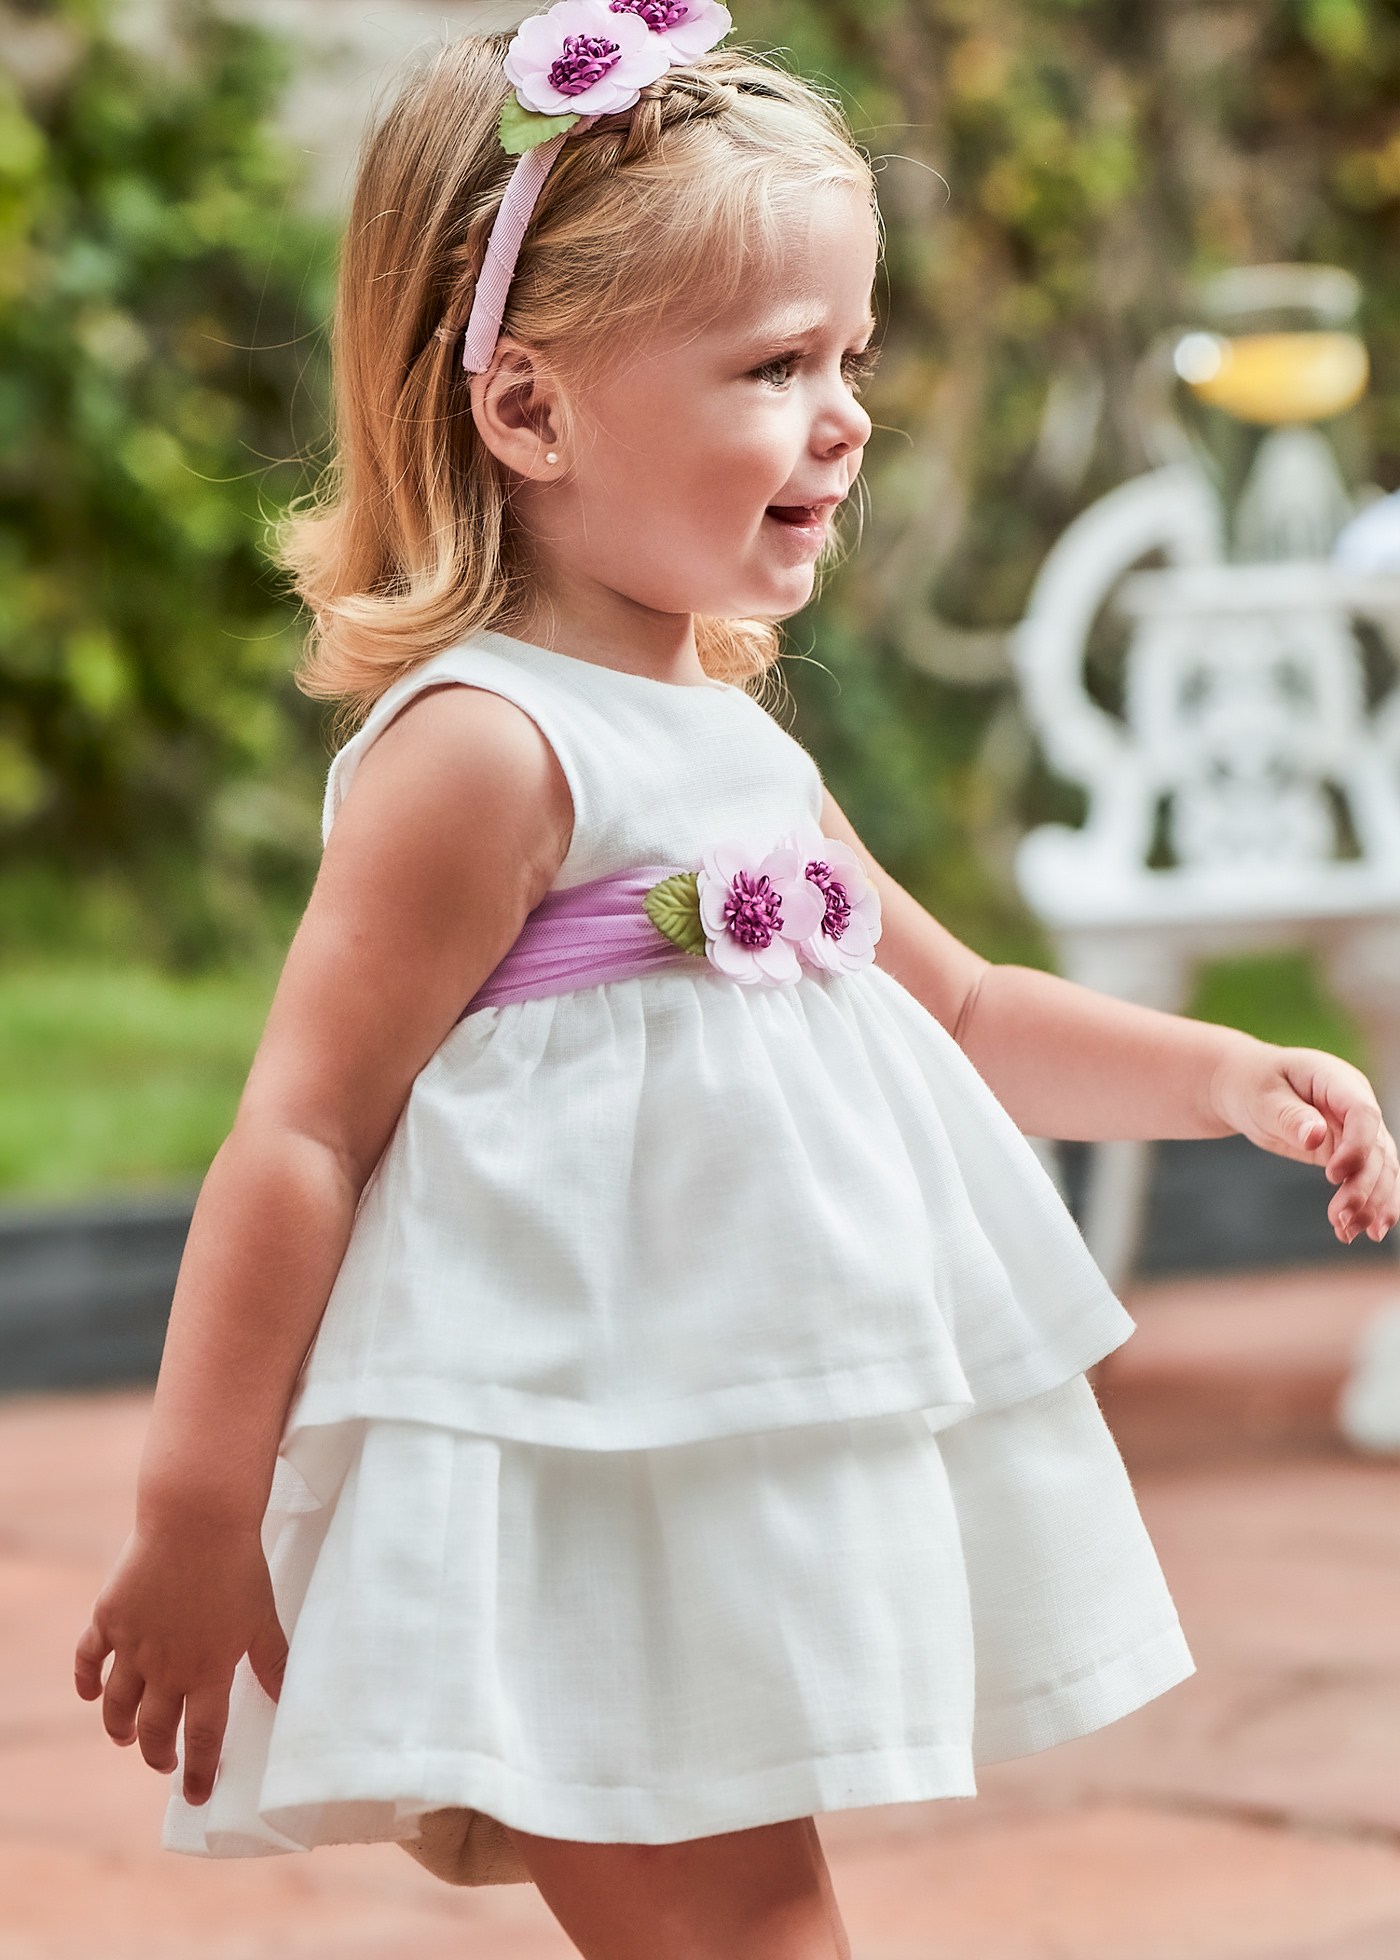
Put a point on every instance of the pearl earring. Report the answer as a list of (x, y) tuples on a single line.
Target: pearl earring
[(551, 457)]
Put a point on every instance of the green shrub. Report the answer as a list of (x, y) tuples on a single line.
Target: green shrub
[(119, 1077), (162, 301)]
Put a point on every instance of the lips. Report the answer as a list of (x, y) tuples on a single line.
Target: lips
[(798, 513)]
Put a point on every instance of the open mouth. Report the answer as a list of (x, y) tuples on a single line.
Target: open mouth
[(801, 514)]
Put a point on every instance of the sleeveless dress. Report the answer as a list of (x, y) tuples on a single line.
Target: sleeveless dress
[(697, 1432)]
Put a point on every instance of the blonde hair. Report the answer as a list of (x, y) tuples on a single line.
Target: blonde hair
[(410, 543)]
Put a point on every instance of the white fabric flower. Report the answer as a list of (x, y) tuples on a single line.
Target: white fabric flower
[(849, 924), (756, 906)]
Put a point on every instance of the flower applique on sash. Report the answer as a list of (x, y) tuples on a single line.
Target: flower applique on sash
[(761, 916)]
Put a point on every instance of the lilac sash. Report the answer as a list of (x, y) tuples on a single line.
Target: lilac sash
[(576, 938)]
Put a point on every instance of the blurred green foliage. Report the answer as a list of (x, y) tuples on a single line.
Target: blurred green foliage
[(1278, 997), (1055, 176), (119, 1077), (161, 300)]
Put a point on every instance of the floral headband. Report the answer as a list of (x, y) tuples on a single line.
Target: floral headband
[(581, 60)]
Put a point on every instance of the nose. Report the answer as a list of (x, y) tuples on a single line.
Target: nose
[(844, 426)]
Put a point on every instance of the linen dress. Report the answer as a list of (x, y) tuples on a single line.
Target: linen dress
[(697, 1432)]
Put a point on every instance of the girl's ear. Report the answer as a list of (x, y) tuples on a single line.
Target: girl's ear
[(516, 410)]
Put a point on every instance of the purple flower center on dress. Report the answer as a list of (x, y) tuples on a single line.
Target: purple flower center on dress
[(753, 911), (585, 60), (838, 905), (659, 15)]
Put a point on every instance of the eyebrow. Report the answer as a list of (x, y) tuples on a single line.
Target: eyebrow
[(793, 324)]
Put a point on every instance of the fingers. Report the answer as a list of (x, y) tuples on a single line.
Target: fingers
[(1361, 1128), (206, 1718), (91, 1651), (1371, 1198), (121, 1701), (1297, 1121), (1357, 1152), (155, 1728), (1368, 1197), (1385, 1200), (132, 1711), (268, 1659), (1295, 1130), (1388, 1217)]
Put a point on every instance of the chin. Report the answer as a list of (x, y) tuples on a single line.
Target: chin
[(767, 598), (784, 596)]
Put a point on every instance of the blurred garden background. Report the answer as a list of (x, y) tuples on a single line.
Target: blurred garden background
[(1056, 178)]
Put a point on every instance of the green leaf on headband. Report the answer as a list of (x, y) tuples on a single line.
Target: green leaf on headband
[(521, 128), (673, 907)]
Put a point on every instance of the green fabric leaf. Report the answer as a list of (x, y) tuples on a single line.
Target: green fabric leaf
[(521, 128), (673, 907)]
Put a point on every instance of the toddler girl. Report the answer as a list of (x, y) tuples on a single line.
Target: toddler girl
[(625, 1390)]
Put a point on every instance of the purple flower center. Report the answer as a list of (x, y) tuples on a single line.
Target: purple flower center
[(585, 60), (838, 905), (753, 911), (658, 14)]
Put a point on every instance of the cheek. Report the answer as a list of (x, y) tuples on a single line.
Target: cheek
[(730, 470), (724, 492), (685, 485)]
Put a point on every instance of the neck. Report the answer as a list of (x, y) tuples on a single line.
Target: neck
[(603, 626)]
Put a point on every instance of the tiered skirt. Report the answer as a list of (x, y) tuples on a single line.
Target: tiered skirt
[(657, 1644)]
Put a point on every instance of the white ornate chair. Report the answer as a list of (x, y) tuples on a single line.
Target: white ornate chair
[(1252, 742)]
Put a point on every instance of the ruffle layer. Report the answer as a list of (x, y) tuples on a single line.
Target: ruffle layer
[(672, 1208), (652, 1645)]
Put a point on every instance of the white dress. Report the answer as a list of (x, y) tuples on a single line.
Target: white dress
[(697, 1432)]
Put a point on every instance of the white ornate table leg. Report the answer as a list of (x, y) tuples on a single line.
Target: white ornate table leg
[(1364, 967), (1115, 1206), (1152, 973), (1049, 1154)]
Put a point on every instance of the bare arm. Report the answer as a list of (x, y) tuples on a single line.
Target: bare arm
[(452, 831), (1067, 1061)]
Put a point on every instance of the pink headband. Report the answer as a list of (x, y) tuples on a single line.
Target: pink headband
[(581, 60)]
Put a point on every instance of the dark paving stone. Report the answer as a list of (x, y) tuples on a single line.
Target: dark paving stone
[(85, 1293), (1218, 1204)]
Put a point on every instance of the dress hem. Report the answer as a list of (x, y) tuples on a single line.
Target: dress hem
[(878, 1389), (1088, 1701), (378, 1811)]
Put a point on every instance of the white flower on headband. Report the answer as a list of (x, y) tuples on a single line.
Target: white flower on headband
[(691, 26), (593, 57)]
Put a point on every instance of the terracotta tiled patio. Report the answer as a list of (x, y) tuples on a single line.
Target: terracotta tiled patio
[(1251, 1814)]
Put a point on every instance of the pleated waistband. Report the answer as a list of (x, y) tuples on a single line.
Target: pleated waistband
[(576, 938)]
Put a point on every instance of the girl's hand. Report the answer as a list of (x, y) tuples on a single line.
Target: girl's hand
[(1306, 1104), (178, 1613)]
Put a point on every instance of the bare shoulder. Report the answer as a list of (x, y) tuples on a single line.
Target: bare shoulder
[(450, 832), (464, 769), (468, 743)]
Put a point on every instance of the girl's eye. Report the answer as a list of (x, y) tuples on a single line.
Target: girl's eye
[(858, 368)]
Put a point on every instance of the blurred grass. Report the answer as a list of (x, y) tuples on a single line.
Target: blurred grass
[(119, 1078), (1278, 997), (124, 1078)]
